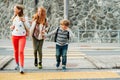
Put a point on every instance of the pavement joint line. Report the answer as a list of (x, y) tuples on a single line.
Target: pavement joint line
[(69, 69), (96, 48), (51, 54), (54, 57), (44, 50), (76, 48)]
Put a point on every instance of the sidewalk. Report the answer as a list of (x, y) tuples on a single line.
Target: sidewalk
[(77, 61)]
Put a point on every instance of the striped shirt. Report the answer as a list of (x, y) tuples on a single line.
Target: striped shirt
[(62, 36)]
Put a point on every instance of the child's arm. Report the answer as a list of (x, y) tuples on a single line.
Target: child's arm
[(51, 33), (71, 33), (32, 28)]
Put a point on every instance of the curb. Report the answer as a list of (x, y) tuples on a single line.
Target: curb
[(104, 63), (4, 61), (93, 61)]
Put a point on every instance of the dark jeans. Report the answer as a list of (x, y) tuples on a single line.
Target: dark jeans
[(37, 46), (61, 51)]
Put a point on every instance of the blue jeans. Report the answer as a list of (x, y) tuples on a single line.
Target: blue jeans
[(61, 51)]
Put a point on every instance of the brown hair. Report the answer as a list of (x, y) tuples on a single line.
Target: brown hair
[(40, 19), (21, 8), (65, 22)]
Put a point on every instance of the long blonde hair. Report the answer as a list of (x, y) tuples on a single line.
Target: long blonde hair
[(41, 18)]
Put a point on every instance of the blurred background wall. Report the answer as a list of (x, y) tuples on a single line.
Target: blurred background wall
[(91, 20)]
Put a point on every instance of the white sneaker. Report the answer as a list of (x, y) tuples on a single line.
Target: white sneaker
[(17, 67), (21, 70)]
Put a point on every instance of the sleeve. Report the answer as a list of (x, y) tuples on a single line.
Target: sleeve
[(32, 28), (71, 33), (51, 33), (27, 22)]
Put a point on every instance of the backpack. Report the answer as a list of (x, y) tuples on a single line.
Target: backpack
[(57, 34)]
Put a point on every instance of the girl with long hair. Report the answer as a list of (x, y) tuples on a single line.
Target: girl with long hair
[(19, 36), (37, 31)]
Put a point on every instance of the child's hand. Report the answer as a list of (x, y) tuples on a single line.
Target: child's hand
[(12, 27), (43, 32)]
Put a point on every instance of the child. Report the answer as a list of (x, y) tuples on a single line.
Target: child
[(62, 35), (39, 25), (19, 36)]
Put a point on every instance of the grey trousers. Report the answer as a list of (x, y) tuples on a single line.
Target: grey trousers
[(37, 46)]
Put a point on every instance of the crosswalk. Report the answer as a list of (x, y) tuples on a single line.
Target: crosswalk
[(50, 53), (59, 75)]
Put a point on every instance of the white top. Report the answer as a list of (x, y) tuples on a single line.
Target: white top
[(19, 29)]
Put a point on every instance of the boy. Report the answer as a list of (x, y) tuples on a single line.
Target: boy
[(62, 35)]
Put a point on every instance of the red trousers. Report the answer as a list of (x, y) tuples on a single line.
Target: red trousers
[(19, 45)]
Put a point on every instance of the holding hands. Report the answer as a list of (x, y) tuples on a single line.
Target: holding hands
[(12, 27)]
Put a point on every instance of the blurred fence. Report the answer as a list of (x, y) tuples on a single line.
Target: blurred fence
[(94, 36)]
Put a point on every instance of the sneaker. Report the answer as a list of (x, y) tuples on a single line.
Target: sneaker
[(21, 70), (35, 63), (58, 64), (17, 67), (63, 68), (40, 65)]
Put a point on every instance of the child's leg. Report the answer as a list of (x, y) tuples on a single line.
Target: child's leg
[(35, 47), (15, 46), (64, 54), (22, 42), (58, 54), (40, 51)]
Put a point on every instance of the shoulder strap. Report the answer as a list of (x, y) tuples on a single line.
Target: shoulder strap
[(56, 34), (68, 35)]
